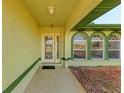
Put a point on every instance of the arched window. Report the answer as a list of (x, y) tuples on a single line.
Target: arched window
[(97, 46), (79, 46), (114, 46)]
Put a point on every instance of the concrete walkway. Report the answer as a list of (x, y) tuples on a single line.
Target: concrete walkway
[(60, 80)]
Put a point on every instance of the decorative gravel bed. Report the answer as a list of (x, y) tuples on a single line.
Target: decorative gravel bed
[(102, 79)]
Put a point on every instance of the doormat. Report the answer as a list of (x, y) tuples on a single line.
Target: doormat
[(48, 67)]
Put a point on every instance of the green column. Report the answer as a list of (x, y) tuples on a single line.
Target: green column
[(89, 49), (106, 48)]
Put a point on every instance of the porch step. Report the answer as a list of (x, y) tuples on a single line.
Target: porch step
[(51, 64)]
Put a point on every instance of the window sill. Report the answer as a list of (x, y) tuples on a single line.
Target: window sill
[(114, 60)]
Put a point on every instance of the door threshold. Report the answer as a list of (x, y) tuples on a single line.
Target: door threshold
[(51, 64)]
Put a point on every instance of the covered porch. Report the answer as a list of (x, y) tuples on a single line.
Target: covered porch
[(59, 33)]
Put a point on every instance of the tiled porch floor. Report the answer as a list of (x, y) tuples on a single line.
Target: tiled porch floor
[(60, 80)]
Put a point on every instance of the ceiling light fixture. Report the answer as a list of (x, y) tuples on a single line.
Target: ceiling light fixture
[(51, 10)]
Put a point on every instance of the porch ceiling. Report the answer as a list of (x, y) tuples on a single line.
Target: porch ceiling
[(63, 10), (71, 14)]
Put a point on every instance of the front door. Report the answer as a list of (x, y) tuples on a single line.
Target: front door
[(51, 48)]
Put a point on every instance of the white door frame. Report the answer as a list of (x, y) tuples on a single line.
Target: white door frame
[(54, 50)]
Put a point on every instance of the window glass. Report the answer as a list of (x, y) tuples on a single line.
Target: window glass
[(79, 54), (96, 37), (97, 54), (79, 46), (97, 46), (114, 37), (114, 46), (114, 54), (78, 37)]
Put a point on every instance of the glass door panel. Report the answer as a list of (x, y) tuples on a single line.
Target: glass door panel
[(51, 50), (48, 47), (58, 47)]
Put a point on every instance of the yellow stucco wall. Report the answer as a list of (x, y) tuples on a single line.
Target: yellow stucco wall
[(21, 40)]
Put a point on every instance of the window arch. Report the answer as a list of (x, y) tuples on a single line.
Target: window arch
[(114, 46), (79, 43), (97, 46)]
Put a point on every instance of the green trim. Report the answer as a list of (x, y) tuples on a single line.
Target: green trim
[(18, 80), (105, 43), (87, 38), (88, 49), (98, 11), (104, 25), (106, 48), (100, 27)]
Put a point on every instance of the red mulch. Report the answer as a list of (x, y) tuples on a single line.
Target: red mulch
[(104, 79)]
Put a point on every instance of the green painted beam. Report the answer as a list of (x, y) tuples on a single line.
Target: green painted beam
[(101, 27), (102, 8)]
